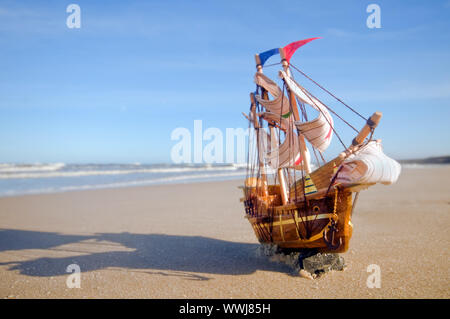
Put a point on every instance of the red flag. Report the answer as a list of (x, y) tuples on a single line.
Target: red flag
[(292, 47)]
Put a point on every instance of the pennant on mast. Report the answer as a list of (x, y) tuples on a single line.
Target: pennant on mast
[(264, 56), (290, 49)]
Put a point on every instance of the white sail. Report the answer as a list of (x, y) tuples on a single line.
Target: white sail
[(319, 131), (369, 165), (280, 103), (287, 154), (264, 144)]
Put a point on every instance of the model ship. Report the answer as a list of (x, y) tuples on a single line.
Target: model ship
[(286, 202)]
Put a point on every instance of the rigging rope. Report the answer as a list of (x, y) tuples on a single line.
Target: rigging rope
[(328, 92), (267, 65), (310, 95), (305, 118), (351, 126)]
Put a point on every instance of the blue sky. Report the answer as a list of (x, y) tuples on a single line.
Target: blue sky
[(115, 89)]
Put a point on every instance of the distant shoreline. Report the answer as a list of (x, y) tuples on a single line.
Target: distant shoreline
[(429, 160)]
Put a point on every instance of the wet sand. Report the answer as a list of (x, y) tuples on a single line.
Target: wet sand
[(192, 241)]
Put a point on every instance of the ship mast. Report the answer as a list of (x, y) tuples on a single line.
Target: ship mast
[(265, 95), (301, 138), (258, 137)]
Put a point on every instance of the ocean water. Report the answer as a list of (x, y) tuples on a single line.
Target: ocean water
[(20, 179)]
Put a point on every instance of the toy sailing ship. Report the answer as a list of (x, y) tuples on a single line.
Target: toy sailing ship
[(287, 203)]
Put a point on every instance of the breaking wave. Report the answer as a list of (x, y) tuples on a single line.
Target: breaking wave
[(17, 179), (108, 172), (16, 168)]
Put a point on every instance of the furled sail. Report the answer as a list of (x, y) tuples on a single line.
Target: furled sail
[(280, 103), (369, 165), (320, 130), (272, 117)]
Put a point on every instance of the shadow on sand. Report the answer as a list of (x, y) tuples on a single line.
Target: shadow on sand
[(152, 253)]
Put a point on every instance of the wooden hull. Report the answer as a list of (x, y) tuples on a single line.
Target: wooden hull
[(301, 225)]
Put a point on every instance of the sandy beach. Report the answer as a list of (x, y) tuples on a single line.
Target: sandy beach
[(192, 241)]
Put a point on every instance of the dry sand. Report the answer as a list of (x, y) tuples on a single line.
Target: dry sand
[(192, 241)]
